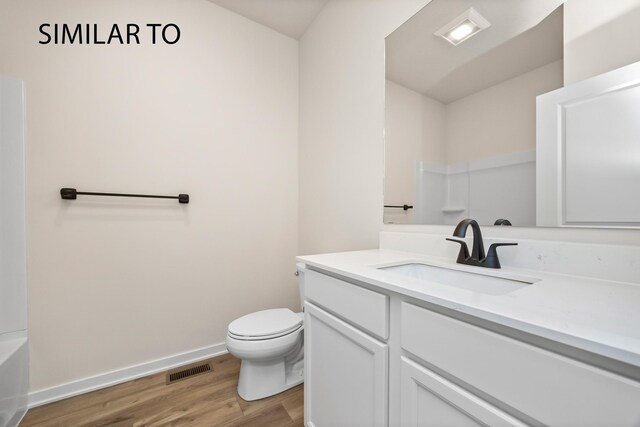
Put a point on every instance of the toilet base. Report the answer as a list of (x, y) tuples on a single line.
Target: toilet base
[(264, 378)]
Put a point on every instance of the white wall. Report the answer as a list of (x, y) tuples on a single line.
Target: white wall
[(500, 119), (414, 131), (116, 282), (434, 130), (599, 36), (342, 121), (403, 136)]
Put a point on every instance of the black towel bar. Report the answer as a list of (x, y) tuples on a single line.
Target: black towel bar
[(403, 207), (72, 194)]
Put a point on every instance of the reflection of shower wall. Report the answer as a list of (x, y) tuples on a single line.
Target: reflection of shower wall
[(443, 193), (487, 189), (456, 207), (432, 193), (13, 280), (504, 187)]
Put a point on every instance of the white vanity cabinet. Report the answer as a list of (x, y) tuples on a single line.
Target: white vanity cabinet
[(423, 366), (346, 359)]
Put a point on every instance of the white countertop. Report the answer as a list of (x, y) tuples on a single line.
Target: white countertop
[(601, 317)]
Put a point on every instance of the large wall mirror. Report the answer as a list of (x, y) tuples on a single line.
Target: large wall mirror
[(462, 78), (514, 112)]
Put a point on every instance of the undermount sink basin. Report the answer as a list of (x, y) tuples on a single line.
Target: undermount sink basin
[(481, 283)]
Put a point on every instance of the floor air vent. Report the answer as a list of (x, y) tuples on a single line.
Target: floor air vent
[(184, 372)]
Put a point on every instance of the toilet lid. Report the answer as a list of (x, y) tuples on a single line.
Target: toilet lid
[(266, 324)]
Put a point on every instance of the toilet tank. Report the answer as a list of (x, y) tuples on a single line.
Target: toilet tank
[(300, 270)]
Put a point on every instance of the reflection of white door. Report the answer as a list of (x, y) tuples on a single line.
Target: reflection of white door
[(346, 378), (429, 400), (588, 160)]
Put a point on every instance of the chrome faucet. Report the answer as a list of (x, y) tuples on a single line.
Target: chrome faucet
[(477, 257)]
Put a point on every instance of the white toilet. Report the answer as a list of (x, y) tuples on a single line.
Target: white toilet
[(270, 344)]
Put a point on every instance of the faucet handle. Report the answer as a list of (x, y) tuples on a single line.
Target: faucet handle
[(464, 250), (491, 260)]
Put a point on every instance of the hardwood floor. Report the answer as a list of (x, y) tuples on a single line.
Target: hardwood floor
[(209, 399)]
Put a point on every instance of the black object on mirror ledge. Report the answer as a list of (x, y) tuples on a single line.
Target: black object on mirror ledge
[(477, 257), (72, 194), (403, 207), (502, 221)]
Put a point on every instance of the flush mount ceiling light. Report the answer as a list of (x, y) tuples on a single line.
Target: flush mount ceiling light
[(463, 26)]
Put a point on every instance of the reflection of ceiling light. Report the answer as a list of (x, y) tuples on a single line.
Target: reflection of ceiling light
[(462, 27), (462, 31)]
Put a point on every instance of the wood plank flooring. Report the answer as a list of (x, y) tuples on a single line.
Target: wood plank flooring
[(209, 399)]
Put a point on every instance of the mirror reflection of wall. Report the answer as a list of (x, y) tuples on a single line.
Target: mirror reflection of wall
[(460, 120)]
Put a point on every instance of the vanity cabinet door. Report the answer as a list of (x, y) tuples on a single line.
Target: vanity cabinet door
[(427, 400), (346, 374)]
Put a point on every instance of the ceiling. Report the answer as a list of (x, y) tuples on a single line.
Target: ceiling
[(289, 17), (524, 35)]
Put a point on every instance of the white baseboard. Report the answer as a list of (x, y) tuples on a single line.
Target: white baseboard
[(85, 385)]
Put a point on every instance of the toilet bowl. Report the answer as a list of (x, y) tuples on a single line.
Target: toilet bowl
[(270, 345)]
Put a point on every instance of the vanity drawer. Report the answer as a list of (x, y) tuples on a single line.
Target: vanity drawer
[(360, 306), (547, 387)]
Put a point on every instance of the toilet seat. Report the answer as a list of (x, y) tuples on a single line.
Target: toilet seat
[(264, 325)]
